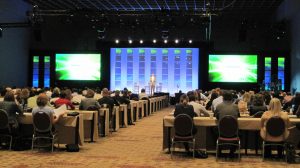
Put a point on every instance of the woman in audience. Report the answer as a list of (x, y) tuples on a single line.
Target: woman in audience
[(213, 96), (55, 93), (257, 104), (274, 110), (11, 108), (42, 101), (267, 97), (63, 100), (244, 103), (184, 108), (89, 101)]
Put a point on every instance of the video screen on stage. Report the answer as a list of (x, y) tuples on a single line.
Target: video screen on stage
[(172, 69), (78, 66), (232, 68)]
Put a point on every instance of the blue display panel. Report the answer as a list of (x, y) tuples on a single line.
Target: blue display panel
[(35, 71), (268, 73), (281, 66), (174, 68), (47, 71)]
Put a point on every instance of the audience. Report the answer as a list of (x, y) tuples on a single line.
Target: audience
[(42, 101), (184, 108), (12, 109), (257, 105), (198, 108), (274, 110), (227, 107), (143, 94), (89, 101), (64, 100)]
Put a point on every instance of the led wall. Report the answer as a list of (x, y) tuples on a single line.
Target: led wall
[(78, 66), (232, 68), (35, 71), (281, 63), (268, 67), (173, 68)]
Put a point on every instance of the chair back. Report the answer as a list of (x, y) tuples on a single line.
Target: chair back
[(183, 125), (42, 122), (275, 126), (228, 127), (258, 114), (3, 119)]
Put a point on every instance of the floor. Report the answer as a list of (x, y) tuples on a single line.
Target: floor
[(138, 146)]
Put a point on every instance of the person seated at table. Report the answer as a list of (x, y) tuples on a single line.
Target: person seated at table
[(184, 108), (244, 103), (42, 106), (198, 108), (124, 99), (63, 100), (218, 100), (89, 101), (257, 104), (106, 99), (274, 110), (143, 94), (227, 107), (213, 96), (55, 93), (133, 96), (12, 109), (23, 98)]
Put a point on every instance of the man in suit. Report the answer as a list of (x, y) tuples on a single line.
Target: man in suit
[(106, 99)]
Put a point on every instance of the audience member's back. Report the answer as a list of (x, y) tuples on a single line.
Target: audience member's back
[(227, 107)]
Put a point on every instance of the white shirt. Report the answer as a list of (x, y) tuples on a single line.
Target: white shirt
[(199, 109), (141, 95), (216, 102)]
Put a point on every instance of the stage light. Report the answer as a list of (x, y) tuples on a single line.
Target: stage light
[(130, 41), (154, 41), (176, 41), (190, 41), (117, 41), (165, 41), (141, 41)]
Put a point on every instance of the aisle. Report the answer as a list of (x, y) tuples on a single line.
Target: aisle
[(138, 146)]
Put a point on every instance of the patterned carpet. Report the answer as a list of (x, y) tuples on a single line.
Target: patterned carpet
[(138, 146)]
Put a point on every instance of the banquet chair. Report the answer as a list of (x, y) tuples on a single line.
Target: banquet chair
[(275, 127), (228, 134), (43, 130), (183, 126), (5, 130)]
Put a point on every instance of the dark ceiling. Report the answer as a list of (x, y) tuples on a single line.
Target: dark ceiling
[(242, 8)]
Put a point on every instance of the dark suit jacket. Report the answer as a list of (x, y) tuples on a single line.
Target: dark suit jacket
[(186, 109), (227, 108), (11, 108), (181, 109)]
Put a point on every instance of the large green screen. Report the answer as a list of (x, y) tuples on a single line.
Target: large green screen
[(78, 66), (232, 68)]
